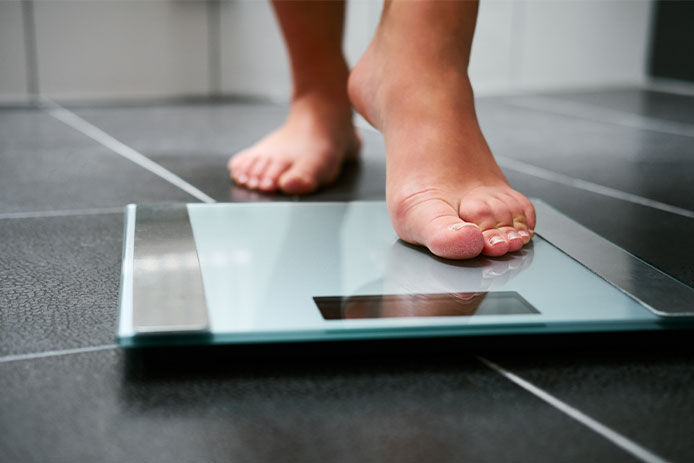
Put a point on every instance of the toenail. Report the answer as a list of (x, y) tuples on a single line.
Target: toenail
[(514, 235), (458, 226), (496, 240), (243, 178), (253, 182), (267, 183), (524, 234)]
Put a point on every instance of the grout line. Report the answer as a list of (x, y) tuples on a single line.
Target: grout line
[(55, 353), (616, 438), (95, 133), (557, 105), (61, 213), (546, 174)]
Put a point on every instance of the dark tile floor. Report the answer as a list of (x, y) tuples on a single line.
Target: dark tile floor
[(48, 166), (622, 157), (60, 244), (655, 104)]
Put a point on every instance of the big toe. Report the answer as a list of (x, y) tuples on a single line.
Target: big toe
[(454, 239), (306, 175), (297, 182), (437, 226), (238, 166)]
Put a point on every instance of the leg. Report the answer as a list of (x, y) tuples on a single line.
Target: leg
[(318, 136), (443, 188)]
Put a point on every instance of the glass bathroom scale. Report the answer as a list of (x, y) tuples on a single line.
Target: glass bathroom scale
[(240, 273)]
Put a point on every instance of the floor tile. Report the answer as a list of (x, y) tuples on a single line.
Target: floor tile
[(196, 141), (47, 165), (649, 103), (646, 393), (223, 409), (649, 164), (59, 280)]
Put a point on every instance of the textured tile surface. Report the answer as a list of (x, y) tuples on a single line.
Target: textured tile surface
[(59, 281), (644, 393), (223, 409)]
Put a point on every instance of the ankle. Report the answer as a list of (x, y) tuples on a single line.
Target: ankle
[(392, 92), (323, 79), (321, 106), (444, 29)]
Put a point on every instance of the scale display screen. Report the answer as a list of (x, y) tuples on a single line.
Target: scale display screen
[(423, 305)]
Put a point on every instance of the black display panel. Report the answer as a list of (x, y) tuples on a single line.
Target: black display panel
[(423, 305)]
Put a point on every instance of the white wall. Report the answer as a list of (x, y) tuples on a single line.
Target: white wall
[(13, 72), (591, 42), (117, 49), (125, 49), (253, 59), (545, 44)]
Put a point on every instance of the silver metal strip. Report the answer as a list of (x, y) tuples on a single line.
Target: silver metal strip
[(168, 292), (657, 290)]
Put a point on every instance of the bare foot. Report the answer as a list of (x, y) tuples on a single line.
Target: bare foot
[(444, 189), (307, 152)]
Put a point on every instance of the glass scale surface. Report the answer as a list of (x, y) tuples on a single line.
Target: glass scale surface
[(291, 272)]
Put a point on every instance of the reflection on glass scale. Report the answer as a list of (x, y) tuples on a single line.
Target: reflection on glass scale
[(268, 272)]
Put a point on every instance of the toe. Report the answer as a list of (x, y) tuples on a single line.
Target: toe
[(513, 238), (297, 183), (490, 214), (495, 243), (300, 179), (525, 234), (239, 166), (479, 212), (520, 225), (436, 225), (256, 172), (523, 214), (452, 238), (234, 162), (269, 179), (527, 209), (503, 219)]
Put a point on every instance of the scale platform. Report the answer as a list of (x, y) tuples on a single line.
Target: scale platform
[(243, 273)]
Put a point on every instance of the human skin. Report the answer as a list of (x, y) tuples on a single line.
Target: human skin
[(444, 189)]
